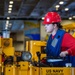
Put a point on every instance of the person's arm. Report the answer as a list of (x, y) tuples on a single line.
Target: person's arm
[(68, 42)]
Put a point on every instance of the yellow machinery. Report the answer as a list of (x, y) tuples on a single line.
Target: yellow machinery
[(38, 46), (6, 53), (29, 60), (70, 28)]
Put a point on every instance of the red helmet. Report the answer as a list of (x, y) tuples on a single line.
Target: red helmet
[(51, 17)]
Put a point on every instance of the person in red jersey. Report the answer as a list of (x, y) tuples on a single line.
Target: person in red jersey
[(60, 43)]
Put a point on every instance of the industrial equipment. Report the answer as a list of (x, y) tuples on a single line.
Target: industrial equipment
[(70, 26), (28, 62), (37, 49)]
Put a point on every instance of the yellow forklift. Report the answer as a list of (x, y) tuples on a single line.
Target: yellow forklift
[(29, 62)]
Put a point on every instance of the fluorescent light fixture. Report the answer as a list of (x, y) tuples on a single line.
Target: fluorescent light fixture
[(66, 9), (9, 11), (8, 17), (10, 6), (11, 2), (61, 2), (57, 6)]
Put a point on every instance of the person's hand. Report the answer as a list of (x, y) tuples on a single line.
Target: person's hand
[(43, 60), (63, 53)]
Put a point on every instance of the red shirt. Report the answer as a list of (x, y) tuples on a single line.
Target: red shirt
[(68, 43)]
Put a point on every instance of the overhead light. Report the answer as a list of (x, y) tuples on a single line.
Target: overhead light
[(57, 6), (73, 16), (10, 6), (6, 27), (61, 2), (42, 18), (11, 2), (70, 18), (66, 9), (7, 22), (8, 17), (10, 9)]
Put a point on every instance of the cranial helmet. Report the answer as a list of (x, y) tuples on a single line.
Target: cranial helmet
[(51, 17)]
